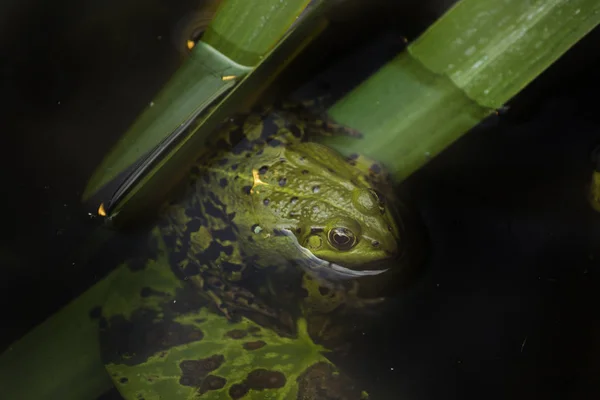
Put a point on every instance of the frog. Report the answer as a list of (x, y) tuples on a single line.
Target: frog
[(268, 198), (270, 233)]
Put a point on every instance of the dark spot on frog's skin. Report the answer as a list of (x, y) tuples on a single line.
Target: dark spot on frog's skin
[(266, 202), (224, 234), (223, 182), (193, 225), (304, 171), (331, 171), (223, 161), (231, 267), (195, 372), (238, 391), (259, 152), (243, 147), (258, 344), (274, 143), (315, 230), (298, 230), (95, 312), (246, 189), (294, 200), (324, 290), (236, 136), (211, 210), (214, 250), (295, 130), (322, 381), (132, 341), (261, 378), (123, 380), (250, 239), (200, 320), (212, 382), (282, 181), (353, 156), (375, 168), (234, 167), (189, 381), (375, 243), (236, 334), (263, 170), (190, 269), (202, 366)]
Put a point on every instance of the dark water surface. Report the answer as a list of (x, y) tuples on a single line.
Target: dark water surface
[(507, 305)]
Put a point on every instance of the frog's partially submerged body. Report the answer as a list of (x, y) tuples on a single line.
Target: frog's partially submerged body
[(267, 198), (267, 222)]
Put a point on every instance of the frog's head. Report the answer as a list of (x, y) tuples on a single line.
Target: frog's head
[(358, 238), (332, 211)]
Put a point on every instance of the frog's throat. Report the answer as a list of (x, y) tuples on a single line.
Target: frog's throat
[(324, 269)]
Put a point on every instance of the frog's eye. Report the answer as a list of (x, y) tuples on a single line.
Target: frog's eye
[(342, 238)]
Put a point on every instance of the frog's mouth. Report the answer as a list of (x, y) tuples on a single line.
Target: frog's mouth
[(325, 269)]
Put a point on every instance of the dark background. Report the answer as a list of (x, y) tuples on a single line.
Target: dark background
[(507, 306)]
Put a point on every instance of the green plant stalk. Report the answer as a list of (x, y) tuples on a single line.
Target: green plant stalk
[(193, 87), (246, 30), (469, 63), (149, 191), (239, 28), (63, 349)]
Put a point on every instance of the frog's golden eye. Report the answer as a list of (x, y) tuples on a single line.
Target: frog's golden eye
[(341, 238)]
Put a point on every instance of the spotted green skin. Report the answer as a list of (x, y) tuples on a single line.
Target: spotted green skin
[(161, 334), (265, 177)]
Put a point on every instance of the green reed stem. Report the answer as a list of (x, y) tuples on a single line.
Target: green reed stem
[(470, 62)]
